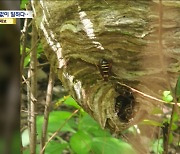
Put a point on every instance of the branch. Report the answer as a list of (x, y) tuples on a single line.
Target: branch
[(29, 87), (33, 92), (47, 107), (24, 41)]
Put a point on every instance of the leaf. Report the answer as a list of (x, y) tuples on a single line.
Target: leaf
[(81, 142), (157, 146), (86, 123), (109, 145), (55, 147), (157, 110), (102, 141), (25, 138), (151, 122), (58, 103), (170, 138), (167, 96), (71, 102), (26, 60), (56, 120), (166, 93), (175, 117), (39, 48), (174, 127), (56, 115), (177, 90), (23, 2), (91, 126)]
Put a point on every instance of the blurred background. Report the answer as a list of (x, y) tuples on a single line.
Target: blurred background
[(9, 83)]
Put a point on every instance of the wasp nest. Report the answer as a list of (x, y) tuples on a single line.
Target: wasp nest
[(101, 49)]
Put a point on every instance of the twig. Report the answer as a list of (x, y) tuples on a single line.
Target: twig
[(27, 111), (46, 111), (106, 2), (29, 87), (33, 92), (148, 96), (32, 47), (40, 65), (29, 99), (165, 133), (59, 129), (28, 25), (179, 140), (24, 40)]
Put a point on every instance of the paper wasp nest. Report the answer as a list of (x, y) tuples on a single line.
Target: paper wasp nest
[(100, 50)]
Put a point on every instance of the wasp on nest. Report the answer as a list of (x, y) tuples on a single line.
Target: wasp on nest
[(125, 101), (105, 69)]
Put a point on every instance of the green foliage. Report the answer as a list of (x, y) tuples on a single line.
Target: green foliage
[(90, 126), (57, 119), (81, 142), (167, 96), (157, 110), (175, 117), (55, 147), (170, 138), (107, 145), (23, 2), (151, 122), (85, 134), (27, 57), (157, 146), (177, 90), (90, 138), (71, 102)]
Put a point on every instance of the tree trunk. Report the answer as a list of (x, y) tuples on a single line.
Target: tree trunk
[(101, 49)]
